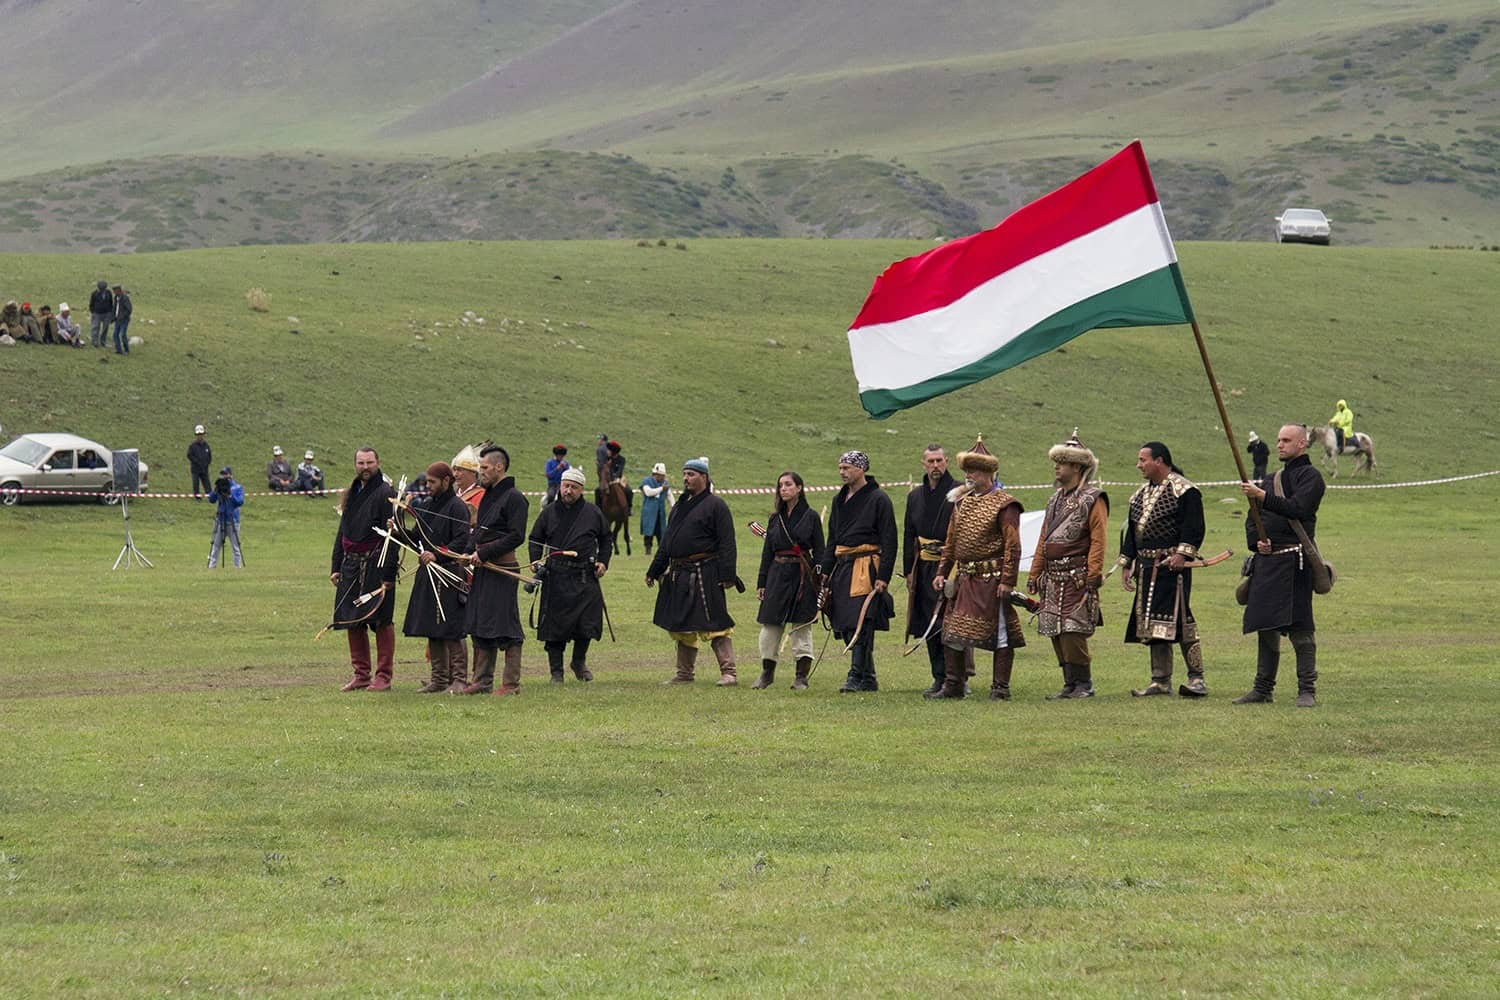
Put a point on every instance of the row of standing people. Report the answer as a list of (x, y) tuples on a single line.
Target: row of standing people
[(962, 561)]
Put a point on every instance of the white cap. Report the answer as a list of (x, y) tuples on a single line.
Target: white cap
[(659, 469), (574, 475), (198, 429), (309, 455), (63, 307), (277, 450)]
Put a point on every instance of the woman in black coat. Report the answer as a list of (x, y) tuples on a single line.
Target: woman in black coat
[(787, 585)]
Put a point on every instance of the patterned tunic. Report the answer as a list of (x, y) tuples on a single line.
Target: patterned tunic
[(982, 551), (1165, 518), (1069, 561)]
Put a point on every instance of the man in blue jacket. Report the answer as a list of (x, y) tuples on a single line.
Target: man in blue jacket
[(231, 497)]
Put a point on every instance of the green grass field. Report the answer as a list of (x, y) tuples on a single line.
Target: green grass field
[(193, 809)]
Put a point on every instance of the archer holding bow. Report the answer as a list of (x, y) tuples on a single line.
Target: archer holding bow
[(363, 574), (788, 583), (858, 563)]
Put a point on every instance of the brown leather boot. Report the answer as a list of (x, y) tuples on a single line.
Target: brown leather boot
[(686, 657), (804, 668), (1004, 662), (385, 658), (359, 658), (723, 648), (510, 674), (484, 671), (767, 675), (458, 665), (955, 675), (437, 653)]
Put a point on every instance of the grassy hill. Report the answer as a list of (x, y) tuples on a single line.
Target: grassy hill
[(1383, 113), (644, 341), (191, 807)]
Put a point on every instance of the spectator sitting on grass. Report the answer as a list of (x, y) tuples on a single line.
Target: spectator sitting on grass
[(31, 330), (279, 471), (68, 330), (48, 324), (309, 476), (10, 321)]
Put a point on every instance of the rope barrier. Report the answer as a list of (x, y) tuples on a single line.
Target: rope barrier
[(746, 490)]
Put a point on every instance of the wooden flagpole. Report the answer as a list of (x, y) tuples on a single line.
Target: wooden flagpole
[(1213, 383)]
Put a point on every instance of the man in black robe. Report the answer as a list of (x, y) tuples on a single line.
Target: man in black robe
[(1163, 529), (493, 615), (1280, 582), (439, 523), (570, 547), (695, 564), (363, 574), (928, 511), (858, 562)]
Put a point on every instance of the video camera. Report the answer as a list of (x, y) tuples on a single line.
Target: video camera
[(221, 485)]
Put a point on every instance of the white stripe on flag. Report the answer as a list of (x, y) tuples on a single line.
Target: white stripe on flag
[(915, 349)]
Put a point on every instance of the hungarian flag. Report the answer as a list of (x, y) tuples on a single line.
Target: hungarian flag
[(1093, 253)]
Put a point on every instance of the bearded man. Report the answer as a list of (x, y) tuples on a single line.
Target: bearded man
[(493, 615), (435, 612), (980, 561), (363, 574), (1163, 529), (858, 562), (1068, 567), (695, 564), (570, 547)]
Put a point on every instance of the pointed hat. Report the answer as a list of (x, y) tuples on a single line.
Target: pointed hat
[(978, 458)]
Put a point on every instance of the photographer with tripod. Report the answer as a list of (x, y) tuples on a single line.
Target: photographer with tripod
[(231, 497)]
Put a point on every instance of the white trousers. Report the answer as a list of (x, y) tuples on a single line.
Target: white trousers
[(801, 641)]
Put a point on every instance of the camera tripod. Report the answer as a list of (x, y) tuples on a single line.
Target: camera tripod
[(128, 551)]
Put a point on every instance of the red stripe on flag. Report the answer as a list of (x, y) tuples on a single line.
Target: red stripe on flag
[(1118, 186)]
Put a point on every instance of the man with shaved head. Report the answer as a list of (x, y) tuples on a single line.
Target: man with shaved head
[(1281, 589)]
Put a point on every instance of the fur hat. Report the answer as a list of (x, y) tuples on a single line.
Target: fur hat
[(467, 458), (978, 458), (574, 475), (1072, 450)]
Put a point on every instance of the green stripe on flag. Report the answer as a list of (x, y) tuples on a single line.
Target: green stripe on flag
[(1155, 299)]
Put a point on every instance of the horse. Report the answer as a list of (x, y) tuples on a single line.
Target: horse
[(1360, 445), (614, 501)]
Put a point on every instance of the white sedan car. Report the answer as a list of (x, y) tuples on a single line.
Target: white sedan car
[(1303, 225), (58, 462)]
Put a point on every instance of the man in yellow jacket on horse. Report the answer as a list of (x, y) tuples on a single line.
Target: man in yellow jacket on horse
[(1342, 423)]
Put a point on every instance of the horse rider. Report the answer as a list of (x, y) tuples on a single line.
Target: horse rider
[(1342, 423)]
